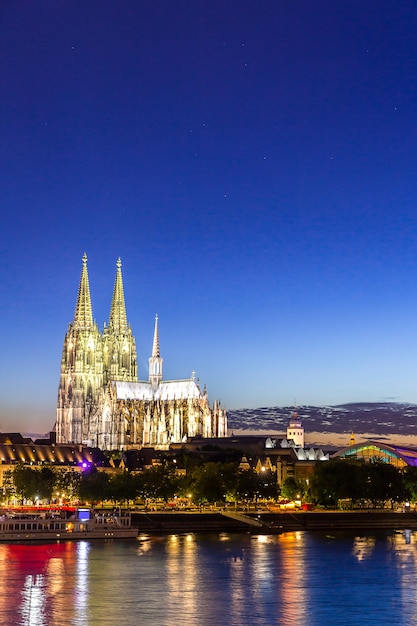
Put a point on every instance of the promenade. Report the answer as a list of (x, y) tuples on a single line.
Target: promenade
[(167, 522)]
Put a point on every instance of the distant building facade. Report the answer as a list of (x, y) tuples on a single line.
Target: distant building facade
[(19, 451), (101, 401)]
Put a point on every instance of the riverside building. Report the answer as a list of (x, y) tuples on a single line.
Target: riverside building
[(101, 401)]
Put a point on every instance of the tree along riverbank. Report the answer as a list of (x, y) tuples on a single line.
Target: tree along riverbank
[(272, 523)]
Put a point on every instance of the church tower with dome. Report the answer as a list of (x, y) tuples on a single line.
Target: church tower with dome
[(295, 430), (102, 402)]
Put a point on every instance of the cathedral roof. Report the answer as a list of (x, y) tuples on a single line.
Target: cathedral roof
[(167, 390)]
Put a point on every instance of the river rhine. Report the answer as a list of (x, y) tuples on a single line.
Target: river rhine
[(300, 578)]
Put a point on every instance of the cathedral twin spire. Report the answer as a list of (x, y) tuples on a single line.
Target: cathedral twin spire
[(119, 357), (118, 320), (115, 348), (83, 317)]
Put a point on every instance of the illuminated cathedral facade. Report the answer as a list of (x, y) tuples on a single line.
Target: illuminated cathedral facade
[(101, 401)]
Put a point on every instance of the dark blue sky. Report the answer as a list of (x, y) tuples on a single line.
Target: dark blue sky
[(254, 166)]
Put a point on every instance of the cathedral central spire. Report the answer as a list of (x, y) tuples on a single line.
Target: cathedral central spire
[(118, 320), (155, 347), (155, 361), (83, 317)]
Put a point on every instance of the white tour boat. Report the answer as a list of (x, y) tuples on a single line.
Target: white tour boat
[(84, 524)]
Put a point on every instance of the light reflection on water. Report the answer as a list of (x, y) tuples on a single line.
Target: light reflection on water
[(287, 580)]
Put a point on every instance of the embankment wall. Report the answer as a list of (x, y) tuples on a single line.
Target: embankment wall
[(193, 522)]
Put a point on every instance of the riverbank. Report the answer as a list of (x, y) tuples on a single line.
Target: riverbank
[(270, 523)]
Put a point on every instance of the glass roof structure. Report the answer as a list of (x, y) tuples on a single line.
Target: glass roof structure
[(376, 451)]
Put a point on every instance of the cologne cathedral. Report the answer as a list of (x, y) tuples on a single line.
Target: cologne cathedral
[(101, 401)]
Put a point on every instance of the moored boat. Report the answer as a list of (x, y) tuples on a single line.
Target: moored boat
[(84, 524)]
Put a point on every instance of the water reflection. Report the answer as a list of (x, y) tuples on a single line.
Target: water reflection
[(238, 575), (82, 580), (363, 547), (33, 604), (293, 583), (404, 545), (33, 580), (285, 580), (182, 575)]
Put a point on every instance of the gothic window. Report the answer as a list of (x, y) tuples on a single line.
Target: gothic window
[(125, 359)]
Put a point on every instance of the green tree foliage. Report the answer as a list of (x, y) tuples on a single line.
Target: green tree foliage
[(212, 482), (253, 486), (122, 487), (184, 486), (67, 484), (9, 490), (247, 484), (410, 483), (292, 489), (24, 483), (365, 484), (46, 483), (34, 484), (335, 480), (160, 482), (93, 486), (383, 483)]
